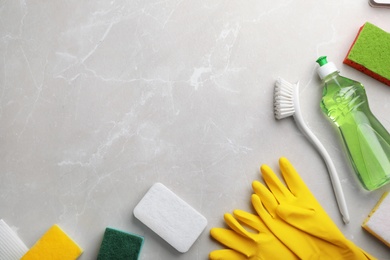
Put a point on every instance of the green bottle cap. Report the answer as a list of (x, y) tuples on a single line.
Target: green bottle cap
[(322, 60), (325, 68)]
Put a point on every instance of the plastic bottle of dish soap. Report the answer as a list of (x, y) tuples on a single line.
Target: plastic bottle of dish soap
[(367, 142)]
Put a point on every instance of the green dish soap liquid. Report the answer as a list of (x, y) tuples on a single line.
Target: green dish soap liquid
[(367, 142)]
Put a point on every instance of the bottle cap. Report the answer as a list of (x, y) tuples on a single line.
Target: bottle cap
[(325, 68)]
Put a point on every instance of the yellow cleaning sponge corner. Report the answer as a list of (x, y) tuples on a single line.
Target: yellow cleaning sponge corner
[(54, 244), (377, 221)]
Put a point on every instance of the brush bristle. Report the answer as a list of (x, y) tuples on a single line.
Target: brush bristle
[(284, 99)]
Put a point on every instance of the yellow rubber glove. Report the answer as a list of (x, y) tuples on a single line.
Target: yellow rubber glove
[(297, 206), (248, 245), (302, 244)]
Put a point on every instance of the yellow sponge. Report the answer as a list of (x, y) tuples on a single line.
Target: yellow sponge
[(54, 244), (377, 222)]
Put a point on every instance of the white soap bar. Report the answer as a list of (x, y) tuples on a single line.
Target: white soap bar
[(377, 222), (11, 247), (170, 217)]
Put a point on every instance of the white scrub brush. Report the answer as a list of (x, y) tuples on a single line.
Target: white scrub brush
[(287, 104)]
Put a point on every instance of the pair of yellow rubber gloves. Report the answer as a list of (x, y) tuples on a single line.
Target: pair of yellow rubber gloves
[(290, 224)]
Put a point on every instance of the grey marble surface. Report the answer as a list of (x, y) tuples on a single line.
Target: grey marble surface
[(101, 99)]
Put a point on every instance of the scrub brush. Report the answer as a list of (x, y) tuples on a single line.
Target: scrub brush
[(286, 97)]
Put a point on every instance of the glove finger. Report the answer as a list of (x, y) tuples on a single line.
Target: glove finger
[(268, 200), (238, 228), (277, 188), (251, 220), (260, 210), (234, 241), (226, 254), (292, 178)]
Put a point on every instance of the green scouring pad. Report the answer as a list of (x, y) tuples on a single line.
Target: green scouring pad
[(370, 53), (120, 245)]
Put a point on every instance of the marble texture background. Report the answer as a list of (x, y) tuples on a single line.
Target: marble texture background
[(101, 99)]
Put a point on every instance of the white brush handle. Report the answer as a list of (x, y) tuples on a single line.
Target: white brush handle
[(328, 161)]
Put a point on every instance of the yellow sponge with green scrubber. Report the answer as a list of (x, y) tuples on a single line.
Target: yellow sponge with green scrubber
[(55, 244), (370, 53)]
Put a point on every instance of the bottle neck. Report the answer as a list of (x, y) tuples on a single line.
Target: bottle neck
[(331, 76)]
